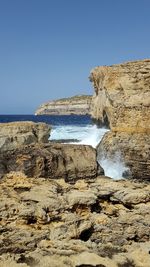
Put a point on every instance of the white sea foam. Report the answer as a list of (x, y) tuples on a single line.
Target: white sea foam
[(86, 135), (93, 136)]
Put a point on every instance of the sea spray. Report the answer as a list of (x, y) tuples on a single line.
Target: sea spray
[(94, 136), (114, 168), (90, 134)]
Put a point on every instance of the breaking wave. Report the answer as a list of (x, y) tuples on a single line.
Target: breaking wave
[(85, 135), (114, 168)]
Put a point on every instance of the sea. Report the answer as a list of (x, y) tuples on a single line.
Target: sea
[(78, 129), (75, 129)]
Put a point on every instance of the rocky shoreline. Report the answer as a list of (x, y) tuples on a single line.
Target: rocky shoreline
[(57, 207)]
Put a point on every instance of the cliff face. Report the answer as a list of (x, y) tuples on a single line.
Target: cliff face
[(122, 96), (79, 105)]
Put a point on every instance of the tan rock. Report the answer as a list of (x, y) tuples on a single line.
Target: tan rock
[(122, 98), (71, 162), (15, 134), (42, 222), (85, 197)]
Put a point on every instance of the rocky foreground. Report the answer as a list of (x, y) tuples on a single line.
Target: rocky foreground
[(58, 209), (78, 105), (122, 99), (46, 222)]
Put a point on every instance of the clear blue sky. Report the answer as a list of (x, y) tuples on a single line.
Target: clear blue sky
[(48, 47)]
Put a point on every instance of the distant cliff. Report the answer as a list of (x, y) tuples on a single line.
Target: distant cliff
[(79, 105)]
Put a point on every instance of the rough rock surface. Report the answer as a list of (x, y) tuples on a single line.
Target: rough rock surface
[(67, 161), (122, 98), (15, 134), (79, 105), (99, 223)]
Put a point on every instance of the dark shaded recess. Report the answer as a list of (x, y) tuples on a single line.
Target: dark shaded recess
[(135, 238), (35, 134), (105, 120), (86, 234), (96, 207), (107, 198), (89, 265), (128, 263), (8, 248), (3, 229), (56, 218), (28, 260), (128, 206), (46, 209), (46, 169), (102, 123), (21, 190), (31, 220), (127, 174)]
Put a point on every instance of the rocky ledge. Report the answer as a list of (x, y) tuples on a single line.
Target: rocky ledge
[(79, 105), (122, 100)]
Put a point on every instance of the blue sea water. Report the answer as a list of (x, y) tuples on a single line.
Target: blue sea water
[(70, 128), (49, 119)]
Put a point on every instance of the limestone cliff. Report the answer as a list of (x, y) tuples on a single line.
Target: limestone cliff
[(122, 97), (79, 105)]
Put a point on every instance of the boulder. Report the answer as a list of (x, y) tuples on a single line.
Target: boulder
[(54, 161), (15, 134), (122, 100)]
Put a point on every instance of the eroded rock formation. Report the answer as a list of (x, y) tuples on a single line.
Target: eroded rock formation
[(16, 134), (53, 223), (24, 146), (56, 210), (122, 97), (54, 161), (79, 105)]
